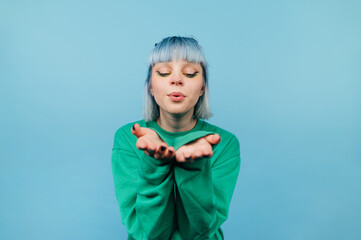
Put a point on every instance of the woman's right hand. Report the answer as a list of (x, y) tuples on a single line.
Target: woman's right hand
[(151, 144)]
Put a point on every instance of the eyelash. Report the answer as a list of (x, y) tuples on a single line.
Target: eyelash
[(189, 75), (163, 74)]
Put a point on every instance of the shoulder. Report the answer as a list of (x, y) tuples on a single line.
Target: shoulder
[(229, 145), (225, 134)]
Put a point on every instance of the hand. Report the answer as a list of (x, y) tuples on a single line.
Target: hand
[(151, 144), (197, 149)]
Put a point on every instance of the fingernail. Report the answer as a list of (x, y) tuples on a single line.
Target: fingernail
[(171, 151), (162, 148), (133, 128)]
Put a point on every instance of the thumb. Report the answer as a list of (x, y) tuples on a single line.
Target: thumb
[(137, 130), (213, 139)]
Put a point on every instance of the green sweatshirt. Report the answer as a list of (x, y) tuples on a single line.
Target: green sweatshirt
[(161, 199)]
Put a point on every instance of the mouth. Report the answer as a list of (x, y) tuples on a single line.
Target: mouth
[(176, 96)]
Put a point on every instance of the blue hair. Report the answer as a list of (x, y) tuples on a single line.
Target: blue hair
[(181, 48)]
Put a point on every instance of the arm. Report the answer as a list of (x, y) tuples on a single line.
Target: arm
[(204, 190), (144, 190)]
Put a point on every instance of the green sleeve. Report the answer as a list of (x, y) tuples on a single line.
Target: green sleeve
[(144, 190), (190, 137), (182, 140), (204, 191)]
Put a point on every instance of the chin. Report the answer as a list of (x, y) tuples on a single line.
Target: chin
[(179, 112)]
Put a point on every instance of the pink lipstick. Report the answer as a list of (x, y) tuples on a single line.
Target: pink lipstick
[(176, 96)]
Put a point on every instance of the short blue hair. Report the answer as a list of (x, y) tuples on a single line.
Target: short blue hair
[(184, 48), (180, 47)]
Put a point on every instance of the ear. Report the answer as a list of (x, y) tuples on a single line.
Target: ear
[(151, 90), (202, 90)]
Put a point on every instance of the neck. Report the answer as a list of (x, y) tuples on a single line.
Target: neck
[(177, 123)]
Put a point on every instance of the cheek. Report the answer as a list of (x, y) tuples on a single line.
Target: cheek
[(198, 87), (158, 89)]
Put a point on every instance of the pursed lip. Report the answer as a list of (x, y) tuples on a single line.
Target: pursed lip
[(176, 94)]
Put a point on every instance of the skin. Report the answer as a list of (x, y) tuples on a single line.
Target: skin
[(187, 78)]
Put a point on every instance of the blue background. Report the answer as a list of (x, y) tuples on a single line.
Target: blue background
[(284, 77)]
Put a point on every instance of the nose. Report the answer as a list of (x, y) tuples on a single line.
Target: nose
[(177, 79)]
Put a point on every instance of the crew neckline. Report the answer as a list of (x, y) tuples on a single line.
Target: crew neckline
[(155, 125)]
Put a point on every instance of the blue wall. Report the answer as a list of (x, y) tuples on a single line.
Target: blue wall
[(284, 77)]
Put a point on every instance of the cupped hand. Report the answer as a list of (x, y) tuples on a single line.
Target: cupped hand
[(151, 143), (200, 148)]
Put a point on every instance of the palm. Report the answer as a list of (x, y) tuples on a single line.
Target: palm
[(151, 144), (197, 149)]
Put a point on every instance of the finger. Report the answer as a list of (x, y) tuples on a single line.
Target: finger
[(166, 154), (200, 154), (171, 152), (208, 153), (146, 145), (151, 147), (187, 155), (197, 154), (137, 130), (149, 152), (161, 151), (162, 147), (179, 156), (213, 139), (141, 144)]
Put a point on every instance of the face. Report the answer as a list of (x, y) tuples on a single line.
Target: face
[(176, 86)]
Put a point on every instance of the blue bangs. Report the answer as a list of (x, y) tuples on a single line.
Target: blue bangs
[(181, 48)]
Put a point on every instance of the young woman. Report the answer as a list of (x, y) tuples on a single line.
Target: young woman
[(174, 173)]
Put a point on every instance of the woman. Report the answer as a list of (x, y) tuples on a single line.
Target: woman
[(174, 174)]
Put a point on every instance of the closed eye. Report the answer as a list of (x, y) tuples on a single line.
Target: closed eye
[(190, 75), (163, 74)]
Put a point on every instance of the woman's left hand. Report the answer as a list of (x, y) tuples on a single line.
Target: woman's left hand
[(197, 149)]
